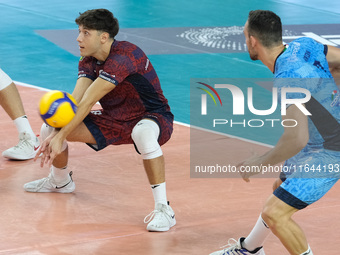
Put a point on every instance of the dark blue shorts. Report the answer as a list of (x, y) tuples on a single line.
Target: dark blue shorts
[(108, 131)]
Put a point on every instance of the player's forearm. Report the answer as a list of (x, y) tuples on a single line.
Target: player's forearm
[(83, 110), (335, 73), (293, 139), (333, 59), (286, 148), (82, 85)]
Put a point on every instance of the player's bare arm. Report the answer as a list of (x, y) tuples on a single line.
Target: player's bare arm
[(98, 89), (333, 59), (291, 142), (94, 93), (293, 139), (82, 85), (44, 148)]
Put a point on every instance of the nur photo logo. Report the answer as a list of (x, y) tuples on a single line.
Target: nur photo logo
[(226, 113), (204, 97), (242, 103)]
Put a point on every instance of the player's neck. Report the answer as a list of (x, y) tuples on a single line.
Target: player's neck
[(104, 52), (270, 55)]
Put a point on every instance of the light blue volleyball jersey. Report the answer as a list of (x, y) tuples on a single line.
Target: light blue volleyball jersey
[(303, 58), (303, 64)]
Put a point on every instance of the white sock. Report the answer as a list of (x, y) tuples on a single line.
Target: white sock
[(159, 193), (23, 125), (257, 236), (60, 175), (308, 252)]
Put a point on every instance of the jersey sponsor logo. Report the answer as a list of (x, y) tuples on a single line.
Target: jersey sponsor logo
[(108, 77), (334, 93), (96, 112), (81, 75), (335, 98), (101, 72), (147, 64)]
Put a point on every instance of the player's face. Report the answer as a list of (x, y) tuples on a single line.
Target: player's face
[(252, 52), (88, 41)]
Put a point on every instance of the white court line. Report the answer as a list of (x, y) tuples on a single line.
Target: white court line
[(330, 36), (31, 249), (233, 136), (30, 86), (175, 122)]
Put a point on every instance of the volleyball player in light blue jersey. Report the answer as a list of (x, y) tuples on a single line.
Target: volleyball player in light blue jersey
[(310, 149), (315, 169)]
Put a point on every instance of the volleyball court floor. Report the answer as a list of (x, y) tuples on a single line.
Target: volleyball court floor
[(105, 213)]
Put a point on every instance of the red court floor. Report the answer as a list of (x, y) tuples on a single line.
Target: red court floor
[(105, 214)]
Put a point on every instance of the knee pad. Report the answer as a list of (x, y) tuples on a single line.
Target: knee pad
[(145, 136), (45, 131), (5, 80)]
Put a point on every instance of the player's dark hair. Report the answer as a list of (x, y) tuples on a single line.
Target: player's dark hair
[(99, 19), (266, 26)]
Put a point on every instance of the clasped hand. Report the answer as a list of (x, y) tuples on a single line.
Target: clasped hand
[(250, 167), (49, 149)]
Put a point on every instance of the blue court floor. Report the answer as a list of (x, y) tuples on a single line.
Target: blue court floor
[(184, 39)]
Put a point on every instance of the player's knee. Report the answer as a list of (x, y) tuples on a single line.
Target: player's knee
[(145, 136), (273, 217), (5, 80), (268, 218), (277, 184)]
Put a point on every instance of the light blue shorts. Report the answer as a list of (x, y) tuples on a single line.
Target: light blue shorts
[(308, 176)]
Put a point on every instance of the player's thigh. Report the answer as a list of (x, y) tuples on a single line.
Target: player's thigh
[(277, 183), (81, 134)]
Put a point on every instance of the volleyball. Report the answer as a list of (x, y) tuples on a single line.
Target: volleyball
[(57, 108)]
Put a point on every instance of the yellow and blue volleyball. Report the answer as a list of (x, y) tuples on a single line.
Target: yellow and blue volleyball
[(57, 108)]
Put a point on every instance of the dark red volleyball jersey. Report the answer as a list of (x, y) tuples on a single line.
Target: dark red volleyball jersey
[(137, 90)]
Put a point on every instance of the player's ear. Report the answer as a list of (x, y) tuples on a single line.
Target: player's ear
[(253, 41), (104, 37)]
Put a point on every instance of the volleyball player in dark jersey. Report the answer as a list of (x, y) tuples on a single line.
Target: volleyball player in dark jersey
[(134, 111)]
